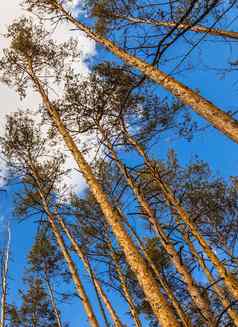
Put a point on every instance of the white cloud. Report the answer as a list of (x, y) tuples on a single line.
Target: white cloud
[(10, 10)]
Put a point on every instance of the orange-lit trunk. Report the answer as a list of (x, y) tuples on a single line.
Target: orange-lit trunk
[(199, 300), (214, 115), (124, 287), (80, 253), (181, 26), (218, 290), (229, 280), (60, 241), (159, 305), (181, 314)]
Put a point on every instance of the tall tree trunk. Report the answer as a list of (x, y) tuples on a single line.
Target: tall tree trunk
[(124, 287), (181, 26), (214, 115), (4, 274), (80, 253), (218, 290), (53, 303), (72, 268), (181, 314), (161, 308), (229, 280), (127, 295), (199, 300), (100, 302)]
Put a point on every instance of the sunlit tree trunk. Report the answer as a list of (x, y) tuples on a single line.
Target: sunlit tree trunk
[(214, 115), (181, 26), (127, 295), (160, 307), (100, 302), (197, 297), (229, 280), (181, 314), (80, 253), (124, 287), (72, 268), (4, 273), (218, 290)]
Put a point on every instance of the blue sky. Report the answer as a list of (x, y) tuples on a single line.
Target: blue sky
[(210, 145)]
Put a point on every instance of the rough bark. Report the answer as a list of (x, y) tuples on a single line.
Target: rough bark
[(214, 115), (160, 307), (181, 314), (229, 280), (129, 300), (199, 300)]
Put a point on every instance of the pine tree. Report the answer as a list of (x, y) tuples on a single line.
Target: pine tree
[(27, 51), (46, 260), (110, 129), (35, 309), (213, 114), (24, 147)]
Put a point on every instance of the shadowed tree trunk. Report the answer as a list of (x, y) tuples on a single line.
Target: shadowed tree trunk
[(101, 307), (218, 290), (127, 295), (53, 303)]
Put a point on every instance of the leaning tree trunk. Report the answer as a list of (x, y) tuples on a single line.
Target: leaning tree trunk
[(100, 303), (124, 287), (218, 290), (159, 305), (181, 26), (229, 280), (53, 303), (199, 300), (80, 253), (214, 115), (72, 268), (182, 315), (4, 273), (128, 297)]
